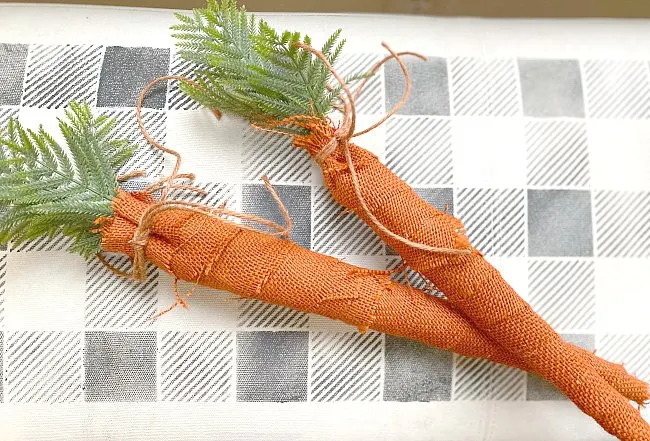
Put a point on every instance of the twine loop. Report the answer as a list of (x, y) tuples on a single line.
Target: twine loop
[(174, 181), (346, 131)]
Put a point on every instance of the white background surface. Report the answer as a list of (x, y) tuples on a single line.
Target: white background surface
[(482, 420)]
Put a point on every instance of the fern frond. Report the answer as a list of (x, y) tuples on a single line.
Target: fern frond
[(46, 189), (248, 68)]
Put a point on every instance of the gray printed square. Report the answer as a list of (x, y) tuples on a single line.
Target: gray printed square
[(256, 199), (430, 92), (12, 73), (126, 71), (272, 366), (440, 198), (559, 223), (538, 389), (551, 88), (415, 372), (120, 366)]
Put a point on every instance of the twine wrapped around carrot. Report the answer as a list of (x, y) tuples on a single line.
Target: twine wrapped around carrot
[(279, 82), (49, 189), (433, 321), (196, 243)]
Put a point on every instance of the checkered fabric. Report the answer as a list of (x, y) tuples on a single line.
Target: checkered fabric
[(545, 160)]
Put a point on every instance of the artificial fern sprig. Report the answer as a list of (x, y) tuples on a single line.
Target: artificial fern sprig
[(247, 68), (46, 189)]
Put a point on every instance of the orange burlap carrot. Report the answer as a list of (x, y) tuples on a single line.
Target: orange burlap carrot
[(223, 255), (468, 280), (433, 243)]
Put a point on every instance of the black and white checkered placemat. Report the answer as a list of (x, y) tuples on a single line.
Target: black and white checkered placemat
[(545, 160)]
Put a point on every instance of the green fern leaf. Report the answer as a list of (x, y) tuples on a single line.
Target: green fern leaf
[(46, 190), (248, 68)]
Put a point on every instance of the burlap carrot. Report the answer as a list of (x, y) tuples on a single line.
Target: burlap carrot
[(280, 83), (195, 247), (46, 191)]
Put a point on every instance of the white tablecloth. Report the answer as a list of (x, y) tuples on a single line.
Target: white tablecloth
[(534, 132)]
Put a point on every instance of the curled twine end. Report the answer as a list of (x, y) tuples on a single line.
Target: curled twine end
[(179, 301), (131, 175)]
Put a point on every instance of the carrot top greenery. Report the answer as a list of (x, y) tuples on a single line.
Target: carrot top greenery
[(247, 68), (46, 189)]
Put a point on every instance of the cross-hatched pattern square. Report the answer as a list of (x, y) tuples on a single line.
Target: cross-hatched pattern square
[(274, 156), (197, 366), (622, 223), (346, 366), (495, 220), (43, 367), (114, 301), (563, 293), (557, 153), (146, 158), (617, 89), (176, 98), (479, 379), (371, 100), (484, 86), (337, 232), (419, 150), (56, 75)]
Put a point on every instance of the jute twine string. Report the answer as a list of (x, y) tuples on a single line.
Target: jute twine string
[(166, 184), (345, 132)]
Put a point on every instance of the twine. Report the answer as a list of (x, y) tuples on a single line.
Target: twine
[(345, 132), (166, 184)]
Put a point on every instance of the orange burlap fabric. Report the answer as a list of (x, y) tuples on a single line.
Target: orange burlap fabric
[(223, 256), (472, 284)]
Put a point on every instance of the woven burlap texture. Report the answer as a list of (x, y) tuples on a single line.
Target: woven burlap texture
[(474, 286), (221, 255)]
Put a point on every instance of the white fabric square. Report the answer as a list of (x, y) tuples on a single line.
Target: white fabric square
[(208, 309), (45, 290), (211, 148), (514, 270), (489, 152), (619, 154), (622, 301)]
